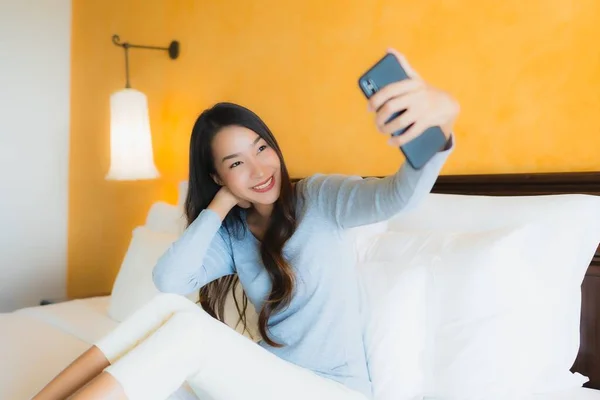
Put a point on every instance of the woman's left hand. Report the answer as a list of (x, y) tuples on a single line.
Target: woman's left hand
[(425, 106)]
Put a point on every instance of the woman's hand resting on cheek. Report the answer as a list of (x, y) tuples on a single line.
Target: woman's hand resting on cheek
[(425, 107), (224, 201)]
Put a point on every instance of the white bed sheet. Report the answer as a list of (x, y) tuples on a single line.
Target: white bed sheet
[(572, 394), (36, 343)]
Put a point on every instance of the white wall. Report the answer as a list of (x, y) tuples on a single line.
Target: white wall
[(35, 38)]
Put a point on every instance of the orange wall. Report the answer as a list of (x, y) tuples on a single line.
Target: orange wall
[(526, 75)]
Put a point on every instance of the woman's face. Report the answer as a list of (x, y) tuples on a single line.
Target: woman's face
[(247, 165)]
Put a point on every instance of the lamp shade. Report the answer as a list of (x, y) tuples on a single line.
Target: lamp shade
[(131, 156)]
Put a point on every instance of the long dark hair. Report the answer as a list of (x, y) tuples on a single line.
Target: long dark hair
[(201, 191)]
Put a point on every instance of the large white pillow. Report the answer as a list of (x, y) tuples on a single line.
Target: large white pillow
[(133, 286), (360, 237), (395, 330), (166, 218), (403, 286), (477, 337), (481, 213), (559, 237), (182, 188), (568, 237)]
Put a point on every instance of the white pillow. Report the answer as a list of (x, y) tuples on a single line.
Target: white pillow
[(395, 330), (468, 213), (166, 218), (401, 341), (568, 237), (494, 313), (182, 188), (491, 310), (133, 286), (359, 237)]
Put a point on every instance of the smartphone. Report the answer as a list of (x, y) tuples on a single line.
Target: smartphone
[(421, 149)]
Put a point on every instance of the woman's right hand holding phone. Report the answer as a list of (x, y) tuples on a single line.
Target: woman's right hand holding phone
[(423, 106)]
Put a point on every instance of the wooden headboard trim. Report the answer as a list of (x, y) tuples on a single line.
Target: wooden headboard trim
[(520, 184)]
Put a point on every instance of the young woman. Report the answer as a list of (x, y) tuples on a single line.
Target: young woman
[(284, 243)]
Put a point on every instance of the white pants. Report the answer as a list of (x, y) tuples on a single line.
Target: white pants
[(171, 340)]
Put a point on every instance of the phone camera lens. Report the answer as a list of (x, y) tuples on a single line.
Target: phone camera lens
[(369, 86)]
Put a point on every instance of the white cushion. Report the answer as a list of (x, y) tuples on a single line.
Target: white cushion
[(561, 238), (133, 286), (182, 193), (489, 317), (359, 237), (480, 213), (569, 239), (166, 218), (395, 329), (410, 275)]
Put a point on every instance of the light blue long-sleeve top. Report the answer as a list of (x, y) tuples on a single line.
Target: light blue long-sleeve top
[(322, 328)]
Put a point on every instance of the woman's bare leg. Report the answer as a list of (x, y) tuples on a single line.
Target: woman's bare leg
[(85, 368)]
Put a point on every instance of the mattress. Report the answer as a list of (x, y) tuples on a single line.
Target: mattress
[(38, 342)]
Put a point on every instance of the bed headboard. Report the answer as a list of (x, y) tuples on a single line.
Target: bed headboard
[(588, 360)]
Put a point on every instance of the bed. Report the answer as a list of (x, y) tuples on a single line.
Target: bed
[(70, 327), (37, 342)]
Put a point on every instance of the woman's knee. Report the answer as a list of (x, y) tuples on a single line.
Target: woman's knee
[(186, 331), (197, 327), (190, 321)]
